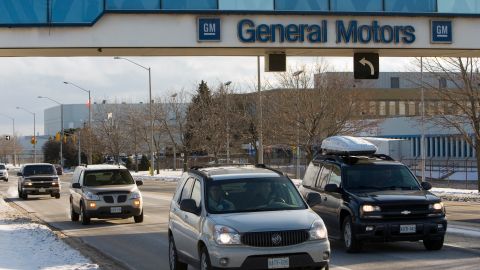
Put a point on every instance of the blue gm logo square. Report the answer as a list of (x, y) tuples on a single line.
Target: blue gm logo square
[(209, 29), (442, 32)]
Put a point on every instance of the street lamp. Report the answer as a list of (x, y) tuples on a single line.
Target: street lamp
[(90, 150), (14, 139), (34, 133), (61, 128), (227, 84), (297, 75), (174, 142), (152, 161)]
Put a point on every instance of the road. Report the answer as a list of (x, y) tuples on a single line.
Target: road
[(145, 246)]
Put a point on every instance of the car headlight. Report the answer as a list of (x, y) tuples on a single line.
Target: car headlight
[(28, 183), (370, 208), (91, 197), (318, 231), (136, 195), (437, 207), (224, 235)]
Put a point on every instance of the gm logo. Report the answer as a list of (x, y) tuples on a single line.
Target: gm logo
[(442, 32), (208, 29)]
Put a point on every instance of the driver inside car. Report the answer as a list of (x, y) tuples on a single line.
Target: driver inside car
[(217, 201)]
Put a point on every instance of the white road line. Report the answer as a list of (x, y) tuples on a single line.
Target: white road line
[(339, 267), (464, 231)]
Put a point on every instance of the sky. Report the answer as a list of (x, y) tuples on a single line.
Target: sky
[(22, 80)]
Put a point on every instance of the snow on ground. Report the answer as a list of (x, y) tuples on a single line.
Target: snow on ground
[(27, 245), (164, 175), (451, 194)]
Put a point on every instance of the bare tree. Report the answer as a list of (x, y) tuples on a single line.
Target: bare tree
[(7, 148), (460, 105), (313, 110)]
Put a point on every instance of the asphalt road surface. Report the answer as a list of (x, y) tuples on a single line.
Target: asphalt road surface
[(145, 246)]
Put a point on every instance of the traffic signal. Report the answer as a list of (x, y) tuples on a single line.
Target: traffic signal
[(33, 140), (57, 137), (7, 138)]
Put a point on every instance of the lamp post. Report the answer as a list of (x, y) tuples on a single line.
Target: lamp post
[(297, 75), (260, 115), (90, 150), (34, 133), (227, 84), (174, 142), (152, 160), (61, 127), (14, 139)]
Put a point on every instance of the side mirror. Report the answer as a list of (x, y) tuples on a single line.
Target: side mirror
[(331, 188), (190, 206), (313, 198), (76, 185), (139, 182), (19, 174), (426, 185)]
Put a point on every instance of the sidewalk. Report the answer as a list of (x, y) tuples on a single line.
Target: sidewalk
[(28, 245)]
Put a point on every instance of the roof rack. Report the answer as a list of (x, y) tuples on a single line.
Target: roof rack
[(351, 158), (260, 166)]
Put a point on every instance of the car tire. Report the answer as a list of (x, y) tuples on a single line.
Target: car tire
[(83, 216), (350, 242), (6, 180), (175, 264), (205, 260), (139, 218), (73, 215), (23, 195), (57, 196), (433, 244)]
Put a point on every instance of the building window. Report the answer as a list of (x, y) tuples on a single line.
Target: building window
[(411, 5), (132, 5), (402, 108), (442, 83), (189, 4), (302, 5), (392, 108), (373, 108), (412, 108), (245, 4), (23, 12), (356, 5), (76, 11), (465, 6), (394, 82), (382, 108)]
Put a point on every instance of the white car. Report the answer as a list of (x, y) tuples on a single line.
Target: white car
[(3, 172)]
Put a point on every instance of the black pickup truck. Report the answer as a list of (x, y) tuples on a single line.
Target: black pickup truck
[(38, 179)]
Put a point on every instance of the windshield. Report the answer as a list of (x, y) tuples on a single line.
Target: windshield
[(2, 167), (38, 170), (380, 177), (252, 195), (108, 178)]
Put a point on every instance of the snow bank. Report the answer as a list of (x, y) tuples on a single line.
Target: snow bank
[(27, 245), (164, 176)]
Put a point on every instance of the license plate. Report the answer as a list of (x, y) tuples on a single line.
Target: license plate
[(41, 190), (278, 263), (115, 210), (408, 228)]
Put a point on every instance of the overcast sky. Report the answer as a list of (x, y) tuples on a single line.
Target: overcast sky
[(22, 80)]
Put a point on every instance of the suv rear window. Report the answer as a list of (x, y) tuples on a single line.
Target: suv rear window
[(39, 170), (252, 195), (107, 178), (380, 177)]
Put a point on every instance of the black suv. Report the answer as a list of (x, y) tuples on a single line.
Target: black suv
[(38, 179), (373, 198)]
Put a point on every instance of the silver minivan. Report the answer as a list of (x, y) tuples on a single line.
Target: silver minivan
[(244, 217)]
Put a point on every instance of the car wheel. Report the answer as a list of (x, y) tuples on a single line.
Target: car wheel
[(73, 216), (433, 244), (83, 216), (24, 195), (139, 218), (175, 264), (350, 242), (6, 180), (205, 260), (57, 196)]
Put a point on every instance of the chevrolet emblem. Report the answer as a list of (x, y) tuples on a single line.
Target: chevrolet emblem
[(406, 212)]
